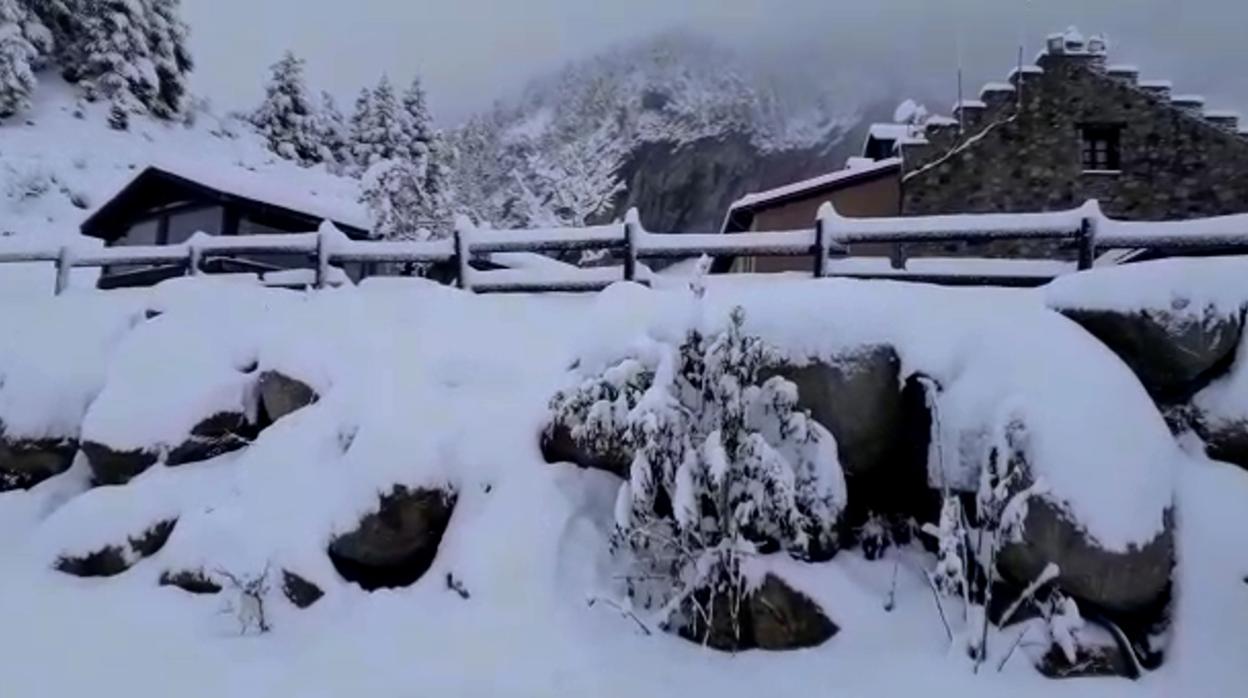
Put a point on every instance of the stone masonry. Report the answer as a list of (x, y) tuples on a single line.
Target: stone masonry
[(1020, 147)]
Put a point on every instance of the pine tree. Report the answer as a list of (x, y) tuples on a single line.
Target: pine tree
[(167, 41), (17, 59), (332, 132), (377, 131), (286, 118), (405, 201), (417, 122), (115, 62), (724, 463)]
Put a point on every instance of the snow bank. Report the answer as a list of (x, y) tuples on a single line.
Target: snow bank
[(425, 386), (54, 352)]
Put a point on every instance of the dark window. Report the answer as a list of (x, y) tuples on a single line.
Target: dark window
[(1101, 148)]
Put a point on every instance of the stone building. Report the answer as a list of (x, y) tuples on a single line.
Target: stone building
[(1072, 128), (1053, 135)]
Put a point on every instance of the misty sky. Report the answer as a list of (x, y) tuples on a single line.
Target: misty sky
[(471, 52)]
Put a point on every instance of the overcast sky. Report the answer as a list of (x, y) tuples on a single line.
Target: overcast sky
[(471, 52)]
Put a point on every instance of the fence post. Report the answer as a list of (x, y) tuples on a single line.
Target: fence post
[(462, 259), (630, 247), (821, 248), (322, 259), (1087, 243), (64, 265), (193, 258)]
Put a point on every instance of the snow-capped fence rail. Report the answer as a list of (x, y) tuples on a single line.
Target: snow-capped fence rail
[(828, 245)]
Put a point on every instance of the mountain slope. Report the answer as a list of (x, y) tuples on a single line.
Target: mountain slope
[(685, 124)]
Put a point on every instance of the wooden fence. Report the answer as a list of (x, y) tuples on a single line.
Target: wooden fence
[(827, 244)]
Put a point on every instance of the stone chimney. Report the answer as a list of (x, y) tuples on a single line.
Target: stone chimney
[(1160, 89), (1226, 120), (969, 112), (1192, 104), (995, 94), (1127, 73)]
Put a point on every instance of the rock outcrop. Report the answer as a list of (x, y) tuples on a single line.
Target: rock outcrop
[(1175, 351), (1118, 582), (25, 463), (396, 545), (772, 617), (299, 591), (281, 395), (112, 560)]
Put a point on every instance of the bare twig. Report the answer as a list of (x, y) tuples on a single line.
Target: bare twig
[(1017, 641), (940, 608), (623, 611), (891, 602)]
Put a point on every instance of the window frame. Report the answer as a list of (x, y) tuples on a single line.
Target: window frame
[(1100, 148)]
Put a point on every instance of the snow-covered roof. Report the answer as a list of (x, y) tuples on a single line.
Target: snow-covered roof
[(995, 87), (1194, 100), (1222, 114), (1025, 70), (1123, 69), (830, 180), (940, 120), (890, 132), (1157, 84), (969, 104), (310, 191)]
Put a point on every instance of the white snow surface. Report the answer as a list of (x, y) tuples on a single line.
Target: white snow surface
[(1193, 284), (423, 385)]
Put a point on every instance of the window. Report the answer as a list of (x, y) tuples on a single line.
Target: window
[(1101, 148), (184, 224)]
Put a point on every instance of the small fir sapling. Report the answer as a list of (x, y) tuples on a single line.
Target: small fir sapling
[(724, 466)]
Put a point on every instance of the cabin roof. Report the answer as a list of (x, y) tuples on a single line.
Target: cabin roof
[(273, 194), (741, 213)]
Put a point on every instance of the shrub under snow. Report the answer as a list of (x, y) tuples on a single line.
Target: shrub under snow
[(724, 465)]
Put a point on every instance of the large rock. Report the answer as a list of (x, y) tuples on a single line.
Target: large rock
[(281, 395), (558, 446), (25, 463), (396, 545), (1131, 585), (857, 397), (216, 435), (1225, 439), (300, 591), (191, 581), (112, 560), (116, 467), (882, 429), (773, 617), (1175, 351)]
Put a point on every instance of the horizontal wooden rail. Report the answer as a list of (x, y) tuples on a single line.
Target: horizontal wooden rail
[(830, 239)]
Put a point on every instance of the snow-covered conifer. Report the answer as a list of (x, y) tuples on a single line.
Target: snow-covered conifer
[(172, 58), (377, 131), (287, 118), (17, 58), (724, 464), (417, 121), (332, 132), (394, 193)]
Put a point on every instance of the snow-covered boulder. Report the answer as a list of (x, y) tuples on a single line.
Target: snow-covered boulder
[(394, 546), (772, 616), (112, 560), (857, 397), (281, 395), (1126, 582), (182, 386), (197, 581), (1175, 322), (1220, 413), (299, 591), (53, 357), (25, 463)]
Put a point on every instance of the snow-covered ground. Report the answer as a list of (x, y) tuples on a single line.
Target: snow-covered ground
[(425, 385)]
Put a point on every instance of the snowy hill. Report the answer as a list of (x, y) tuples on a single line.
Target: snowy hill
[(685, 124), (60, 160)]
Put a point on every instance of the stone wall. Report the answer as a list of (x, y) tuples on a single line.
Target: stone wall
[(1026, 156)]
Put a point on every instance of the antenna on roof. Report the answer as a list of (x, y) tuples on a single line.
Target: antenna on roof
[(959, 109)]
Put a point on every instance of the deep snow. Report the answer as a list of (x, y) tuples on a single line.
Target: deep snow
[(426, 385)]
